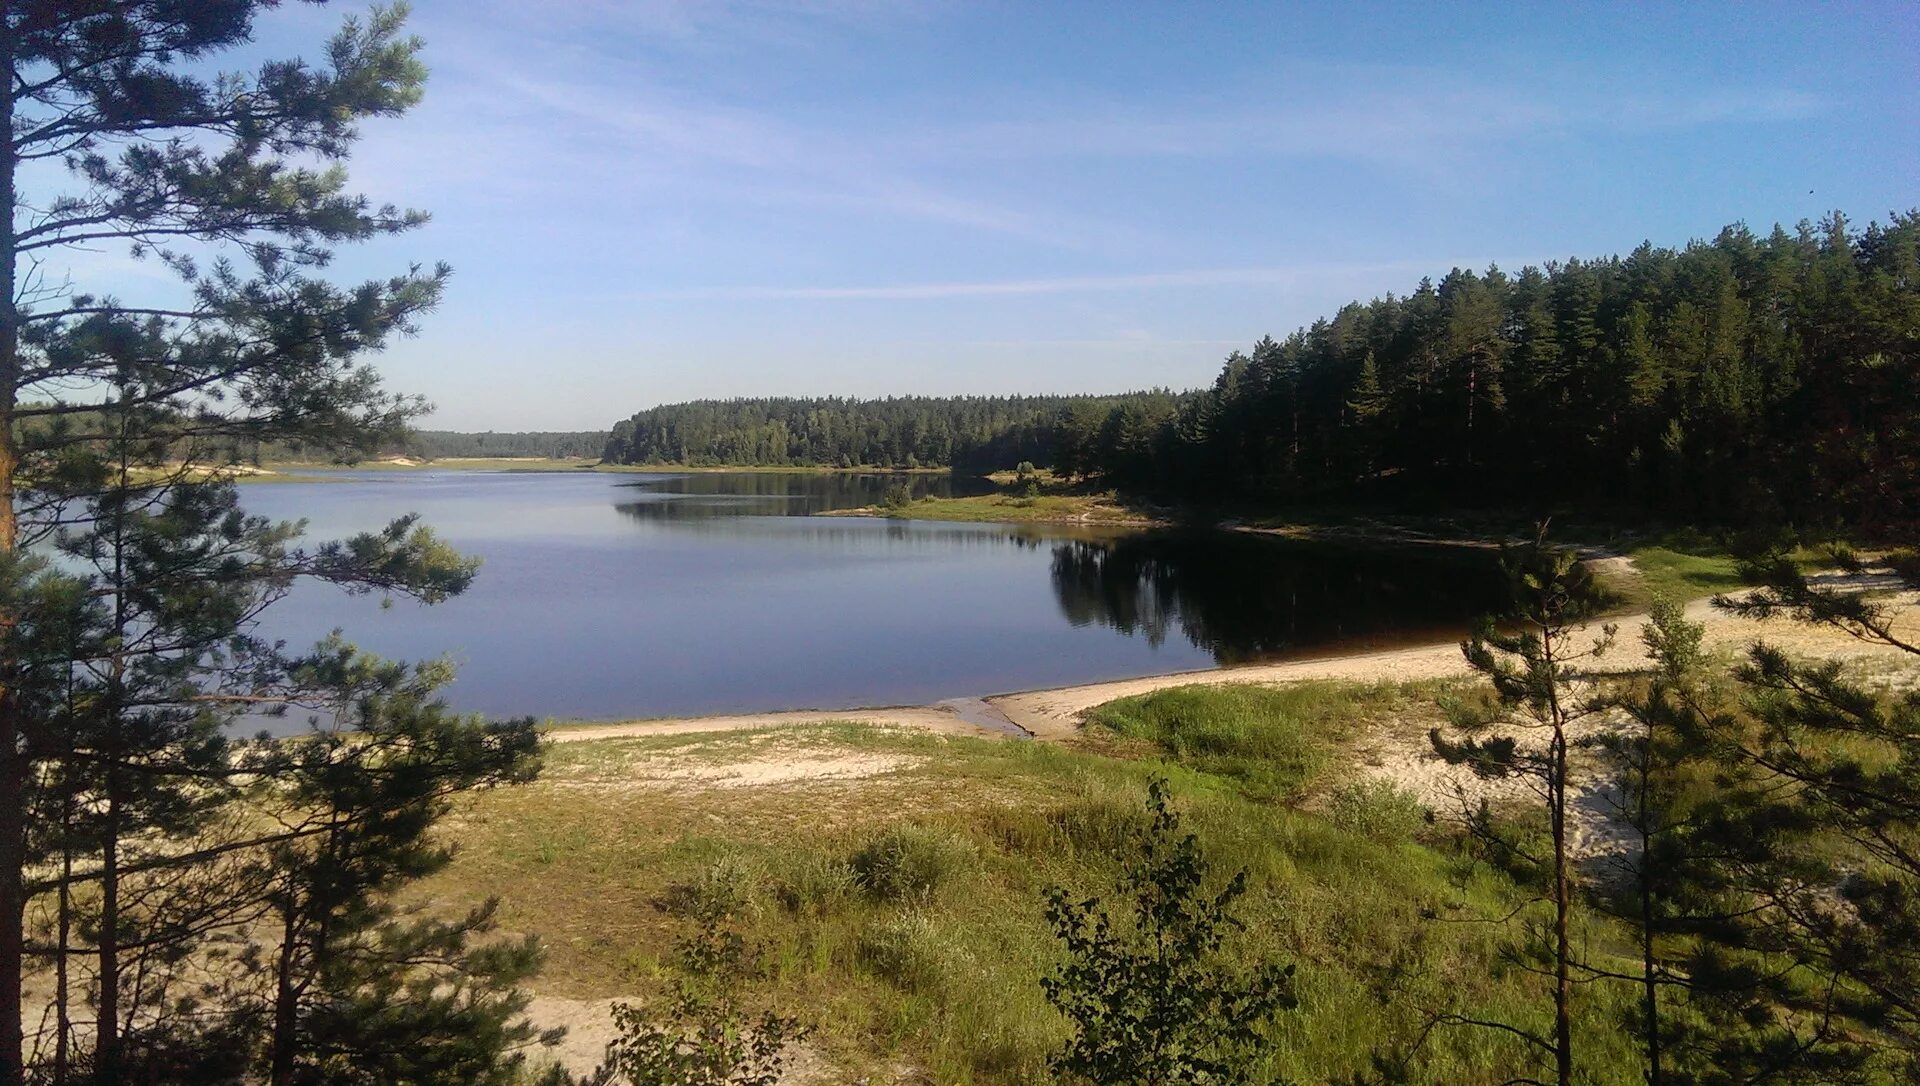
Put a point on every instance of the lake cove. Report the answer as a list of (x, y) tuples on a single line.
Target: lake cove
[(619, 596)]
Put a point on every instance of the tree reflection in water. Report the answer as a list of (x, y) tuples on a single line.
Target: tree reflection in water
[(1243, 597)]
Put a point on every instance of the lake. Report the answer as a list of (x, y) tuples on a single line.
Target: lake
[(626, 595)]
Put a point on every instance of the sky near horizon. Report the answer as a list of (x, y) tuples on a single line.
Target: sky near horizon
[(654, 201)]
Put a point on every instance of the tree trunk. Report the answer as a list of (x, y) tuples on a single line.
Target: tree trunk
[(62, 999), (1562, 906), (107, 1043), (1649, 976), (286, 1002)]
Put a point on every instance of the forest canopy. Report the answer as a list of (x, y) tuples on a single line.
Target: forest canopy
[(555, 445), (966, 432), (1749, 377)]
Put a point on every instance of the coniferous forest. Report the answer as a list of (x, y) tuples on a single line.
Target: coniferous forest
[(557, 445), (967, 432), (1748, 377)]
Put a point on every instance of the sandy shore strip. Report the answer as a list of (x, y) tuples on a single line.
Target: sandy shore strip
[(1055, 714), (938, 718)]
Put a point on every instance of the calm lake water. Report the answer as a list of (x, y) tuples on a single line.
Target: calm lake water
[(651, 595)]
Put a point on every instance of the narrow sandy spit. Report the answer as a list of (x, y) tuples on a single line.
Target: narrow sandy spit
[(938, 718)]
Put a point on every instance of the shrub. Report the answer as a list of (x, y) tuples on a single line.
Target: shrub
[(897, 499), (1026, 481)]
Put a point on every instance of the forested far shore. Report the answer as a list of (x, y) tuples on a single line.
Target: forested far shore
[(969, 433), (553, 445), (1741, 379), (1748, 377)]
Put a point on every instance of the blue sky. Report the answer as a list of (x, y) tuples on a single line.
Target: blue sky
[(654, 201)]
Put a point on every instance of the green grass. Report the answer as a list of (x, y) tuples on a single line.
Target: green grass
[(1685, 564), (1272, 742), (901, 913), (1100, 508)]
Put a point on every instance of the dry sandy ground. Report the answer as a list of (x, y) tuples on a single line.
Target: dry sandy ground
[(589, 1025), (937, 718)]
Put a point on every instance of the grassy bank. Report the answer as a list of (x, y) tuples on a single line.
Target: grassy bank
[(896, 879), (1100, 508), (547, 466)]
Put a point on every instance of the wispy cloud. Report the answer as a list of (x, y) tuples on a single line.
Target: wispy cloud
[(1072, 284), (805, 166)]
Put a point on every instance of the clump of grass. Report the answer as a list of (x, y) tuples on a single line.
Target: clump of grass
[(940, 971), (816, 884), (909, 950), (1377, 809), (1102, 821), (1273, 740), (908, 863), (1469, 706), (1686, 563), (728, 886)]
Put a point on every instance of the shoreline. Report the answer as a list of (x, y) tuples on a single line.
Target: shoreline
[(1054, 714)]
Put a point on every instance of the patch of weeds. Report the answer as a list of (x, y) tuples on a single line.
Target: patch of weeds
[(908, 863), (728, 886), (1377, 809), (910, 951), (816, 885)]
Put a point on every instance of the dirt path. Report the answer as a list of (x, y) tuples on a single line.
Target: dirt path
[(1055, 714)]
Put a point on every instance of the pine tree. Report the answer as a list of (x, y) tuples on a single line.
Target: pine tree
[(1835, 815), (1533, 672), (124, 670)]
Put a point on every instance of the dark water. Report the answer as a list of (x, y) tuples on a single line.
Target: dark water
[(640, 595)]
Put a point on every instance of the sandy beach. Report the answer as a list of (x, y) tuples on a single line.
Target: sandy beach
[(1055, 714)]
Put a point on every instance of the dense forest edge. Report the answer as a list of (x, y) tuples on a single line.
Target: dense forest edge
[(1734, 380), (966, 433)]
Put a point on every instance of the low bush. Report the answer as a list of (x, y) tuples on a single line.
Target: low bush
[(908, 863)]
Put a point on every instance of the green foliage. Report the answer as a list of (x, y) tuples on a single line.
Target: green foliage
[(950, 986), (1273, 740), (1806, 872), (701, 1035), (217, 909), (565, 445), (897, 500), (1533, 667), (1026, 479), (1147, 996)]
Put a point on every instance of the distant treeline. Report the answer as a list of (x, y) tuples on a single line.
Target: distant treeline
[(1745, 377), (558, 445), (975, 433)]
